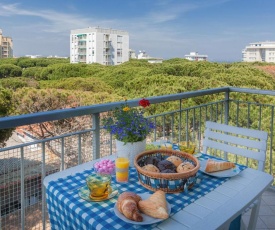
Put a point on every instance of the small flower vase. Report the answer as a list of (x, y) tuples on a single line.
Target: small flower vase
[(130, 150)]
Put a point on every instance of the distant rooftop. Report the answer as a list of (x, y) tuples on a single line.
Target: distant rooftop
[(98, 29), (195, 56), (143, 55)]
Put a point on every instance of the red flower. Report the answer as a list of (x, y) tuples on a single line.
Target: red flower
[(144, 103)]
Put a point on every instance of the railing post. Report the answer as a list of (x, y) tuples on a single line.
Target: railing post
[(271, 141), (22, 188), (62, 154), (180, 107), (226, 107), (96, 136), (226, 115), (43, 188)]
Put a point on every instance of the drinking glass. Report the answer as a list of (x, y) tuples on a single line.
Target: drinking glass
[(122, 169), (99, 186)]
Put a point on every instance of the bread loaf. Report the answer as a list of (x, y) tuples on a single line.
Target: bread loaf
[(215, 166), (127, 204)]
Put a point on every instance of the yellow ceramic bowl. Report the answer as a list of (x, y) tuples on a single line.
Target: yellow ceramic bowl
[(166, 146), (188, 147)]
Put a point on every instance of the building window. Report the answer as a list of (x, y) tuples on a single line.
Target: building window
[(119, 39)]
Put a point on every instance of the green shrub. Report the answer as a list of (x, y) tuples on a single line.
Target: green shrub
[(18, 82), (78, 83), (10, 70)]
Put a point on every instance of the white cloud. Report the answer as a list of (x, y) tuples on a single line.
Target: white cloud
[(162, 30)]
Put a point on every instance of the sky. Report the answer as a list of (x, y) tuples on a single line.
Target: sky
[(163, 28)]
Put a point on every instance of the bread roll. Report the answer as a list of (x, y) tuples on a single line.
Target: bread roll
[(168, 171), (185, 166), (150, 168), (175, 160), (152, 160), (165, 164)]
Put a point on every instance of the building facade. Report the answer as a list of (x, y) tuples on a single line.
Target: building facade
[(260, 52), (6, 46), (195, 56), (99, 45)]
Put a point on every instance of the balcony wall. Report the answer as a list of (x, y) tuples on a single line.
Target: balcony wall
[(24, 165)]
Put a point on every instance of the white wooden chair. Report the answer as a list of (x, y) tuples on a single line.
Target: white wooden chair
[(241, 145)]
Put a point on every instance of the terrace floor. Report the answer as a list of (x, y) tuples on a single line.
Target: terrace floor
[(266, 219)]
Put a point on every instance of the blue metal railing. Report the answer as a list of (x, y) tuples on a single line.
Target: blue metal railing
[(183, 123)]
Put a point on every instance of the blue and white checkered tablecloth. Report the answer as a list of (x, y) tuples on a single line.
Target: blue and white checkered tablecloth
[(68, 211)]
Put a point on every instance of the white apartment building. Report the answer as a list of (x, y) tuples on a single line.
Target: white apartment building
[(132, 54), (259, 51), (195, 56), (6, 46), (99, 45)]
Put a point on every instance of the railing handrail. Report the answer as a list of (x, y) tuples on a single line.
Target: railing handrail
[(252, 91), (39, 117)]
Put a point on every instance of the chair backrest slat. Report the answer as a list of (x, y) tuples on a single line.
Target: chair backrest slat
[(244, 142), (237, 130), (238, 140)]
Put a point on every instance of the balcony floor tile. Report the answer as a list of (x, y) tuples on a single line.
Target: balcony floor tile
[(266, 218)]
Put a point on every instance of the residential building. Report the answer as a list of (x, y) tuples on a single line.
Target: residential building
[(34, 56), (195, 56), (99, 45), (41, 56), (132, 54), (143, 55), (6, 46), (259, 51)]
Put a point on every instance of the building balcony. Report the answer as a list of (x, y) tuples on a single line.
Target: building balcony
[(82, 52), (26, 159), (81, 47), (82, 60), (107, 44)]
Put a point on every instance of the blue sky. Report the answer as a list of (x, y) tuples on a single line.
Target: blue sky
[(163, 28)]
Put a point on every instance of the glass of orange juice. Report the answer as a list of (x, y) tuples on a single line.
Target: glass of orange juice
[(122, 169)]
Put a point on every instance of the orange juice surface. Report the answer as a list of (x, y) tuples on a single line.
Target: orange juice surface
[(122, 169)]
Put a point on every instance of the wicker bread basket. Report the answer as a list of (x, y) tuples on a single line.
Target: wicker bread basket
[(167, 182)]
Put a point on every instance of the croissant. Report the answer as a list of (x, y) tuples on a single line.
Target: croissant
[(214, 166), (155, 206), (127, 204)]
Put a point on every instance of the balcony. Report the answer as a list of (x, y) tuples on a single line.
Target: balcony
[(82, 52), (82, 45), (106, 44), (24, 165)]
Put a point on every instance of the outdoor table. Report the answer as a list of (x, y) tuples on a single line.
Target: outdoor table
[(211, 204)]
